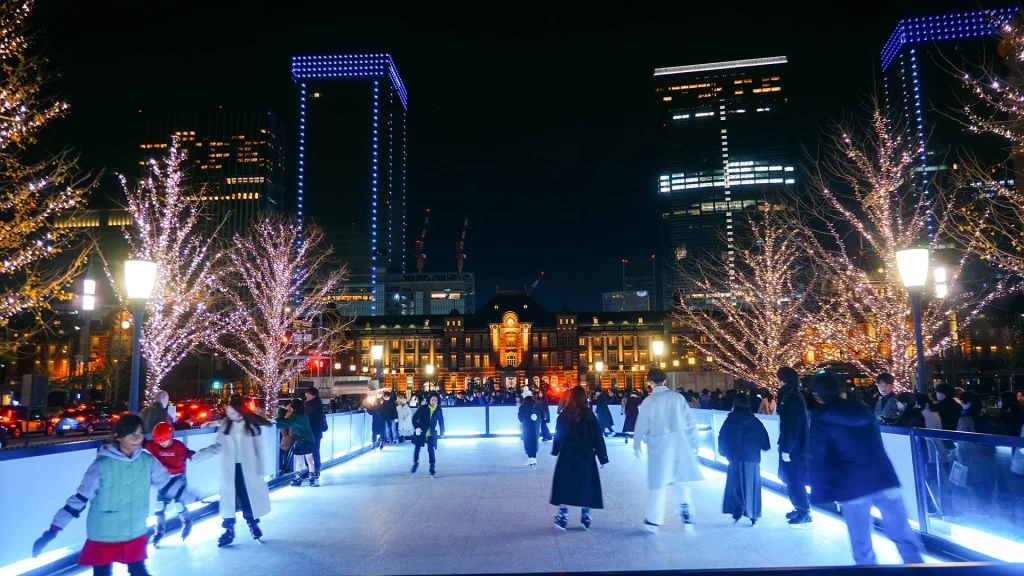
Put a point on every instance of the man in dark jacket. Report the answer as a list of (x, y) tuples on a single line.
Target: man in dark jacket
[(792, 410), (391, 415), (848, 465), (317, 423), (948, 408), (887, 409), (156, 412)]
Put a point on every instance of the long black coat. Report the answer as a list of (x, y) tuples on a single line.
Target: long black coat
[(846, 457), (530, 426), (577, 481), (632, 411), (792, 409), (315, 413), (743, 437), (604, 414), (424, 421)]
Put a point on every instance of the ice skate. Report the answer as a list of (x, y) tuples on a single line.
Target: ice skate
[(158, 535), (186, 526), (562, 518), (687, 518), (254, 529), (314, 479), (585, 518), (297, 481), (415, 466), (226, 538), (651, 527)]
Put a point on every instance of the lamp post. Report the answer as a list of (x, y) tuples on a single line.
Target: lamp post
[(88, 305), (599, 366), (139, 277), (913, 268), (377, 353), (658, 348)]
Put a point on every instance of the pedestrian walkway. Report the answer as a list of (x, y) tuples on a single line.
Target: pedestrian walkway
[(486, 513)]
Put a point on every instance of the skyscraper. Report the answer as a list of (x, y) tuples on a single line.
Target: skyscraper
[(724, 142), (921, 89), (236, 157), (352, 157)]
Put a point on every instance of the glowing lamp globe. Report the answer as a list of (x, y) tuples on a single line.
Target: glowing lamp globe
[(658, 347), (377, 351), (139, 277), (913, 267), (430, 369), (599, 366)]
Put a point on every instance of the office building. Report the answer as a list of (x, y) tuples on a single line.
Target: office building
[(626, 301), (235, 157), (724, 144), (352, 154), (641, 276), (922, 91), (408, 294)]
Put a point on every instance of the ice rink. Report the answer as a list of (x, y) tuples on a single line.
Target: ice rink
[(486, 513)]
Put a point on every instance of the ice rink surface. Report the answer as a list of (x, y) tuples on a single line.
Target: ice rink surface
[(486, 513)]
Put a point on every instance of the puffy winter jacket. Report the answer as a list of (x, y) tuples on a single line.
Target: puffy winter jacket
[(743, 437)]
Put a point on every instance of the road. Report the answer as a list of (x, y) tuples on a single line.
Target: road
[(40, 440)]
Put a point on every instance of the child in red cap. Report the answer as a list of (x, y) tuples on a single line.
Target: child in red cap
[(172, 454)]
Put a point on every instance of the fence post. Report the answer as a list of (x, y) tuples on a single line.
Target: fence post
[(920, 480)]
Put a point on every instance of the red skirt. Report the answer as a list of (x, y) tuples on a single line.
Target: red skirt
[(103, 553)]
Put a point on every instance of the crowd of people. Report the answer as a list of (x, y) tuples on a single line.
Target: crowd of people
[(830, 440)]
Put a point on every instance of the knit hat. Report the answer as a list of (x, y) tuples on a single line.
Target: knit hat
[(526, 392)]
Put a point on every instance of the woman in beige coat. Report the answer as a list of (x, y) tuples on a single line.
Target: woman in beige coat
[(242, 463)]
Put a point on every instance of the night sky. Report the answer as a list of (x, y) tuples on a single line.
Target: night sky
[(536, 125)]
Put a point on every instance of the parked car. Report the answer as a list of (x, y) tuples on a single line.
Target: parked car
[(86, 419), (21, 420), (197, 413)]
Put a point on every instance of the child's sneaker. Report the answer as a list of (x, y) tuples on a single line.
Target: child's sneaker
[(562, 518)]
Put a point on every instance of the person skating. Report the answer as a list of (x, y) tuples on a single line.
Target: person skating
[(631, 408), (742, 439), (604, 413), (391, 418), (528, 424), (404, 419), (848, 464), (303, 445), (666, 424), (317, 425), (792, 409), (241, 470), (544, 413), (578, 441), (379, 422), (117, 483), (172, 454), (156, 412), (428, 424)]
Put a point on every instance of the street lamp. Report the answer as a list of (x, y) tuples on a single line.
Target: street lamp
[(658, 347), (599, 366), (88, 305), (139, 277), (913, 268), (377, 353)]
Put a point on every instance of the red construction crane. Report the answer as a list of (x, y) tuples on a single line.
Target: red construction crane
[(420, 256), (460, 256), (535, 284)]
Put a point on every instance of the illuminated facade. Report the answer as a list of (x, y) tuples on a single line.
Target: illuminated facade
[(920, 92), (236, 157), (511, 340), (352, 158), (724, 142)]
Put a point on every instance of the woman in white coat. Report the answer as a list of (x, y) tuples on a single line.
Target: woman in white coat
[(404, 419), (242, 463), (667, 425)]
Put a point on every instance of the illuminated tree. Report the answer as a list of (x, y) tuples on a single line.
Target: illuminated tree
[(870, 204), (168, 229), (277, 288), (38, 259), (762, 321)]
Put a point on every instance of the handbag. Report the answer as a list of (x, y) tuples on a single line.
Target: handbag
[(958, 475)]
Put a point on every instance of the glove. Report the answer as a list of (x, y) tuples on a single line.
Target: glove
[(785, 457), (46, 538), (533, 417), (418, 431)]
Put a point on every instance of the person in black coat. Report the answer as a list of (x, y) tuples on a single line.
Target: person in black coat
[(428, 422), (604, 414), (545, 416), (317, 423), (632, 411), (849, 465), (375, 407), (391, 417), (948, 408), (792, 410), (578, 441), (742, 439), (529, 423)]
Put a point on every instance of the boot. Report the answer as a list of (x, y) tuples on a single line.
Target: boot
[(415, 466), (433, 473), (562, 518), (687, 518), (158, 535), (227, 537), (314, 479), (297, 480), (585, 518), (254, 529), (186, 525)]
